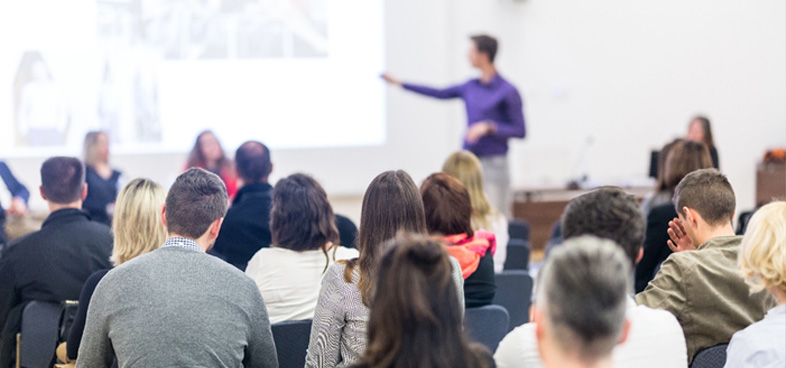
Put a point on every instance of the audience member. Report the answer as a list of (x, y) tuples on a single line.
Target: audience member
[(656, 338), (208, 154), (465, 167), (338, 334), (137, 230), (448, 213), (305, 244), (684, 157), (53, 263), (177, 306), (19, 197), (580, 309), (762, 263), (246, 228), (699, 130), (103, 181), (698, 283), (663, 192), (417, 320)]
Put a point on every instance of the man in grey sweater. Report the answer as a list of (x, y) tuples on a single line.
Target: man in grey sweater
[(178, 306)]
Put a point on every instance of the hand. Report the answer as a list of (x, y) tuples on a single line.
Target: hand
[(18, 207), (478, 130), (679, 238), (388, 78)]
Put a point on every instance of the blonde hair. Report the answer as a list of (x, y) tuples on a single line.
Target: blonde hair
[(89, 148), (137, 225), (762, 256), (465, 166)]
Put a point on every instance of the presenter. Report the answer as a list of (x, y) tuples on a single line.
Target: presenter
[(494, 115)]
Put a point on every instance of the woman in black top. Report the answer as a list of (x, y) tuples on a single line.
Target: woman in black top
[(102, 180)]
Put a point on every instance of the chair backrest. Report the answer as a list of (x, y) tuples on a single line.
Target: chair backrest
[(517, 257), (39, 334), (487, 325), (514, 292), (713, 357), (518, 229), (291, 339)]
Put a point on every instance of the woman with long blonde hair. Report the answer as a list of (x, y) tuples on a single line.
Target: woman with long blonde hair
[(137, 230), (465, 166)]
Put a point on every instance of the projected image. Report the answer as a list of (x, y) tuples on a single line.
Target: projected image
[(40, 106), (218, 29)]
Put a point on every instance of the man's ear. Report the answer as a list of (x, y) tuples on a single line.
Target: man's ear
[(215, 227), (41, 190), (640, 256), (163, 214), (690, 217), (84, 192), (625, 332)]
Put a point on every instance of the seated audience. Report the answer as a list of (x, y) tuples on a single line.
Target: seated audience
[(305, 244), (177, 306), (663, 191), (763, 264), (338, 334), (208, 154), (137, 229), (246, 228), (656, 338), (465, 167), (449, 214), (699, 131), (19, 197), (684, 157), (69, 247), (417, 320), (699, 283), (102, 180), (581, 301)]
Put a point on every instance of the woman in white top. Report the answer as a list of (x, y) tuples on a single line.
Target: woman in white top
[(465, 167), (762, 261), (289, 273)]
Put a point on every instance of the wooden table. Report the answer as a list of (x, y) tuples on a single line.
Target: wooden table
[(542, 207)]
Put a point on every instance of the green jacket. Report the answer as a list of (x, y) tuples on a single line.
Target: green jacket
[(704, 290)]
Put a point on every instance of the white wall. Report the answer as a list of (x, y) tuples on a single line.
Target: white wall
[(628, 73)]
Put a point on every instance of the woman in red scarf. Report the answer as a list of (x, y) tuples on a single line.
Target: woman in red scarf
[(449, 213)]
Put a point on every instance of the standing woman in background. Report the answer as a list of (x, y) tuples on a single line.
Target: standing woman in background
[(102, 180), (699, 131), (209, 155), (465, 167)]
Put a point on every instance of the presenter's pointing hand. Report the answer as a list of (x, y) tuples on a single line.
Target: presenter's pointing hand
[(388, 78), (478, 130)]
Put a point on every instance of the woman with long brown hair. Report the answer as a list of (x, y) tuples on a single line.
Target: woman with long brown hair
[(208, 154), (700, 131), (417, 321), (338, 334)]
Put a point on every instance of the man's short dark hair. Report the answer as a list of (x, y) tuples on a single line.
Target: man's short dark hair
[(63, 179), (196, 199), (709, 193), (252, 161), (486, 44), (607, 213)]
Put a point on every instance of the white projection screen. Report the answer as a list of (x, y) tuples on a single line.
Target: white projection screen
[(153, 73)]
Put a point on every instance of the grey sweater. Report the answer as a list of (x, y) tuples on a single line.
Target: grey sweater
[(177, 307)]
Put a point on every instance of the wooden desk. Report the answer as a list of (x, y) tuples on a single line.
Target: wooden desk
[(542, 207)]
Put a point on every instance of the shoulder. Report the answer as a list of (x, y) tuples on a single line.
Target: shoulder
[(518, 348), (346, 253), (652, 320)]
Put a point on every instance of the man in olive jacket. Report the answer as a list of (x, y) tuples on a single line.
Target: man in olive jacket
[(699, 282)]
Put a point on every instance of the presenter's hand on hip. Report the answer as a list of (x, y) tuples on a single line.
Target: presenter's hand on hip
[(388, 78), (478, 130)]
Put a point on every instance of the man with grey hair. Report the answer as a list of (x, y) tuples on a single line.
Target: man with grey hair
[(656, 339), (177, 306), (580, 308)]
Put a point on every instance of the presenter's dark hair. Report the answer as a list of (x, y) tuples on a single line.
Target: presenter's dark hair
[(252, 162), (486, 44), (607, 213), (196, 199), (301, 217), (63, 179), (709, 193), (417, 321), (447, 205), (196, 158), (391, 204)]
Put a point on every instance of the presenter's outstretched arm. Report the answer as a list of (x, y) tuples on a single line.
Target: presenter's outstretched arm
[(441, 93)]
